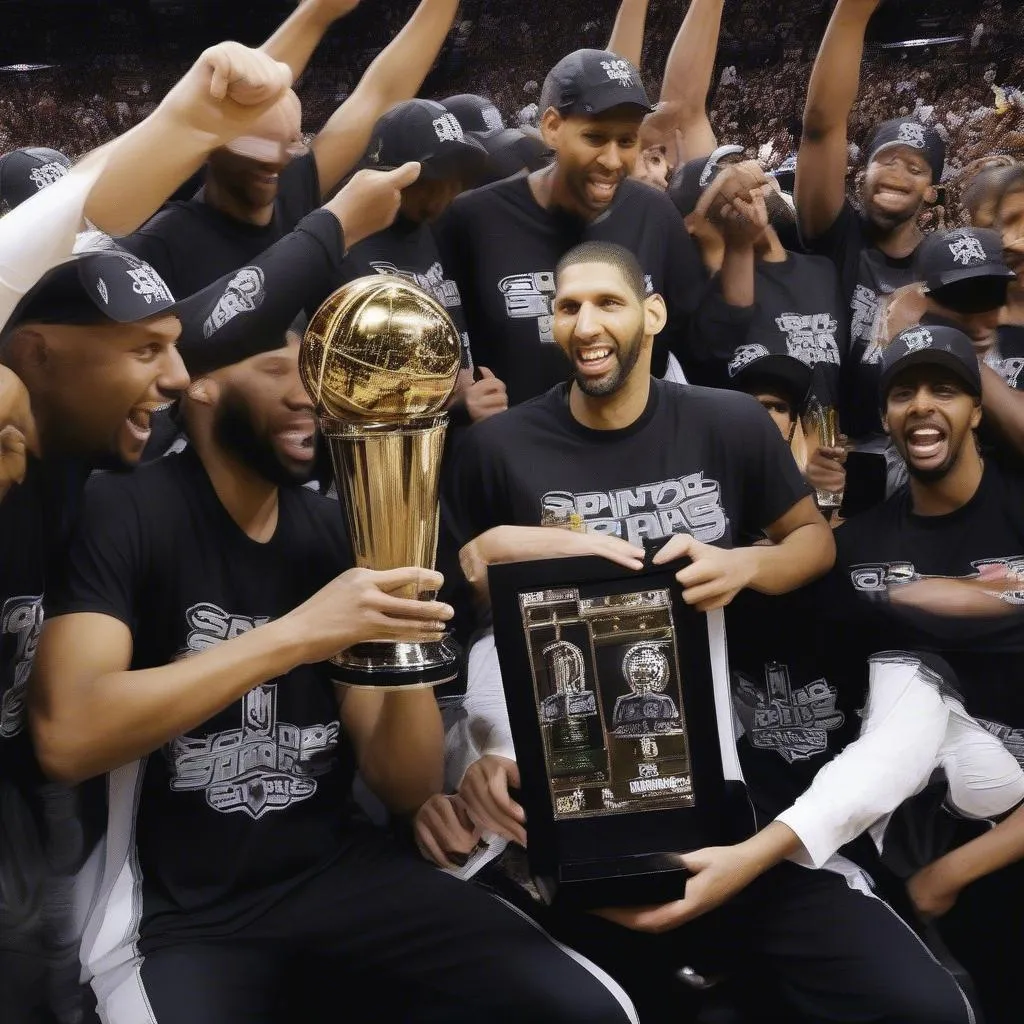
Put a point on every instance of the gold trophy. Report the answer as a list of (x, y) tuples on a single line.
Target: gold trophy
[(380, 360), (823, 423)]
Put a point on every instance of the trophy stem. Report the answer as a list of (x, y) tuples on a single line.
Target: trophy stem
[(388, 477)]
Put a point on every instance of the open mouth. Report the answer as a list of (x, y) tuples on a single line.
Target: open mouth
[(270, 180), (601, 191), (298, 443), (889, 197), (140, 420), (596, 360), (926, 444)]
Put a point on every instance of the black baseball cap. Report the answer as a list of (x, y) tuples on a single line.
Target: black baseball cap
[(95, 287), (949, 257), (24, 172), (690, 180), (476, 114), (785, 173), (753, 367), (904, 131), (589, 82), (931, 346), (429, 133)]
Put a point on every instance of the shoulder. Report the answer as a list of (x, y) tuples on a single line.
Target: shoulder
[(498, 193), (509, 429), (156, 485), (170, 216), (873, 522), (718, 405), (809, 263)]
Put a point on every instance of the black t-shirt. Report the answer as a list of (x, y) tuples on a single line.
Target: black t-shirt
[(501, 247), (798, 311), (887, 550), (866, 277), (410, 251), (1008, 358), (697, 461), (191, 244), (227, 818)]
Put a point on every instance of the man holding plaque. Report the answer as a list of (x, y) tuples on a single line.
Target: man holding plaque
[(584, 455), (185, 656)]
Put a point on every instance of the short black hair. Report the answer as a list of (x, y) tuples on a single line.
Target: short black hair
[(615, 255)]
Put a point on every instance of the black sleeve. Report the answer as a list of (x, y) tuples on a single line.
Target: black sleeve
[(103, 570), (772, 483), (842, 244), (476, 495), (683, 288), (249, 311), (300, 191), (718, 330)]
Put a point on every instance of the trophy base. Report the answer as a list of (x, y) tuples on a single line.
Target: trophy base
[(648, 879), (398, 666)]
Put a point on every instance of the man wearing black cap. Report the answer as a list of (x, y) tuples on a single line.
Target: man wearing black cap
[(501, 243), (24, 172), (781, 383), (201, 599), (940, 562), (873, 251), (259, 186), (764, 293), (510, 150)]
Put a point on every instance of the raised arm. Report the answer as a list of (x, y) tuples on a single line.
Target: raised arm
[(226, 90), (90, 713), (627, 38), (395, 75), (835, 80), (299, 35), (681, 119)]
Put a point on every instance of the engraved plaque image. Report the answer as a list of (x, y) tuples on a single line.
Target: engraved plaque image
[(608, 697)]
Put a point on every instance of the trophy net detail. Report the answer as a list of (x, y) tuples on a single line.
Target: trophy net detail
[(609, 701)]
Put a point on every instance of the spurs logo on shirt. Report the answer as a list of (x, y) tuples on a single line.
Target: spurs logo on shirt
[(21, 622), (863, 310), (433, 281), (688, 504), (263, 765), (47, 174), (243, 294), (810, 338), (529, 297), (1001, 578), (1008, 369), (793, 723)]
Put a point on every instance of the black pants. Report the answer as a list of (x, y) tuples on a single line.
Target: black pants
[(378, 936), (796, 946)]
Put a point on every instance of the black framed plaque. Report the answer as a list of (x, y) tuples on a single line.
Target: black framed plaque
[(618, 727)]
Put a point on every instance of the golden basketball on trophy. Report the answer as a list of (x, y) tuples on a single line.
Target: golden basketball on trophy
[(380, 360)]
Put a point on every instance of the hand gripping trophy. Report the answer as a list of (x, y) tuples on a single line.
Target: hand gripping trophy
[(380, 360)]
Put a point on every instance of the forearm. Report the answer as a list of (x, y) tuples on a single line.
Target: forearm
[(691, 61), (103, 723), (123, 198), (1003, 406), (627, 38), (905, 722), (996, 849), (737, 275), (802, 556), (775, 843), (297, 38), (403, 762), (835, 79), (504, 544)]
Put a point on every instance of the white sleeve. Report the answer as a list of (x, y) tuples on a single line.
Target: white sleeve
[(40, 233), (905, 724), (486, 728)]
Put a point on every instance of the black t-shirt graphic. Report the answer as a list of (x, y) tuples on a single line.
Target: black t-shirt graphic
[(225, 819), (410, 251), (978, 549), (501, 248), (798, 311), (191, 244), (867, 276), (1008, 357), (707, 463)]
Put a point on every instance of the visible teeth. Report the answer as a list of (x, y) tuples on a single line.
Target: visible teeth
[(594, 354), (926, 436)]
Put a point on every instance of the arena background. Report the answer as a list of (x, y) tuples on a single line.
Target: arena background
[(78, 73)]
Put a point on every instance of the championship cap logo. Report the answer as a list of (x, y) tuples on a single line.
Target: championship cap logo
[(448, 128), (492, 118), (619, 71), (916, 340), (967, 250), (744, 356), (47, 174), (101, 287), (912, 134)]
